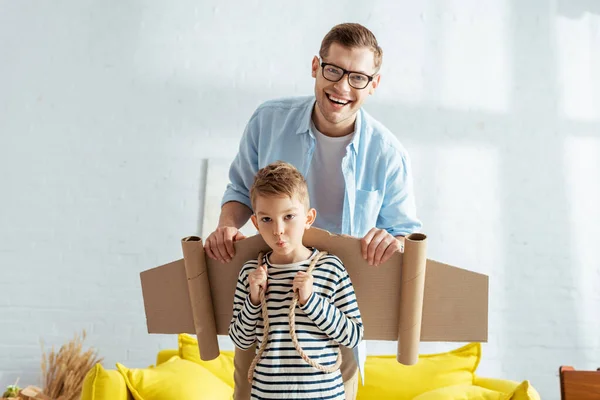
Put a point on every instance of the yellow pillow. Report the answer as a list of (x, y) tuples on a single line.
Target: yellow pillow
[(221, 366), (386, 378), (499, 385), (175, 379), (165, 355), (525, 392), (517, 391), (100, 384), (463, 392)]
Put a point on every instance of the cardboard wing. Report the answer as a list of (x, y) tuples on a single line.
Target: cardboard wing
[(407, 299)]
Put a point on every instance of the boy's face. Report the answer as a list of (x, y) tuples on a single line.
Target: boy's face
[(358, 59), (281, 221)]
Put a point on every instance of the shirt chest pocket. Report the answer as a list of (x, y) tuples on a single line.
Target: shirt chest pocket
[(366, 210)]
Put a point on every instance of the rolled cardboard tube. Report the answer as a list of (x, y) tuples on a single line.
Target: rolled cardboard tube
[(412, 288), (200, 297)]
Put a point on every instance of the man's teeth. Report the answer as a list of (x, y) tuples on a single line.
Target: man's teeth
[(336, 100)]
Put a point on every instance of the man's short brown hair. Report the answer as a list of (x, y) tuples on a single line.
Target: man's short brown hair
[(352, 35), (279, 179)]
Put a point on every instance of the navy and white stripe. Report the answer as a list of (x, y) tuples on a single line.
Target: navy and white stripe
[(329, 318)]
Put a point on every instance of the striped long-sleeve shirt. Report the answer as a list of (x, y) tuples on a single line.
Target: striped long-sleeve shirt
[(329, 318)]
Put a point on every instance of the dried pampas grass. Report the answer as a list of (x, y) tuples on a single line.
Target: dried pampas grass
[(63, 371)]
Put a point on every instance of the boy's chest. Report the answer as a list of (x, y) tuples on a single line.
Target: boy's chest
[(281, 286)]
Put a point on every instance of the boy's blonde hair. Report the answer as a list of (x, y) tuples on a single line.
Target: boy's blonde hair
[(279, 179), (352, 35)]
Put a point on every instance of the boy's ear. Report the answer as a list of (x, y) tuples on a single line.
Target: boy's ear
[(253, 218), (311, 215)]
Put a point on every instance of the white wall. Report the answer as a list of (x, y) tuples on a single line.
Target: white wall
[(107, 110)]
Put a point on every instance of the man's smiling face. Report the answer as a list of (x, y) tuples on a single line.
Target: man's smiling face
[(338, 102)]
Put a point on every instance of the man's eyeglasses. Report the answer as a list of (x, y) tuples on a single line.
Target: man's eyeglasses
[(334, 73)]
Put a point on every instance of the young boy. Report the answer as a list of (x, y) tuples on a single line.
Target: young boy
[(326, 315)]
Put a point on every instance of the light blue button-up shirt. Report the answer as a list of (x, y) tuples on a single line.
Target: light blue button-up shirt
[(376, 168)]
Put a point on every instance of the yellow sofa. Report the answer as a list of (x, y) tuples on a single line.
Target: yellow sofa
[(181, 374)]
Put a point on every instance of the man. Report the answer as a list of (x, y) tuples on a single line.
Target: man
[(359, 175)]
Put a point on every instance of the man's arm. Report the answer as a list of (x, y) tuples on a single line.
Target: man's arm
[(236, 207), (234, 214)]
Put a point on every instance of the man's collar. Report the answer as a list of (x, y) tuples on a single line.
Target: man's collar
[(357, 131), (305, 121)]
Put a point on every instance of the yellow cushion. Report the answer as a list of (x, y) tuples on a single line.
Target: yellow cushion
[(102, 384), (499, 385), (175, 379), (221, 366), (525, 392), (165, 355), (518, 391), (386, 378), (462, 392)]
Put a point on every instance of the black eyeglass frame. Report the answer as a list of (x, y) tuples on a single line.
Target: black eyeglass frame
[(346, 72)]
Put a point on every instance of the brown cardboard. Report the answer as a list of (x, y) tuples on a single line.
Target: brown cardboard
[(433, 302), (412, 288), (199, 291)]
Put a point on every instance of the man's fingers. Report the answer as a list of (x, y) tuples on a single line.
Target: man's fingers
[(219, 244), (211, 246), (365, 241), (220, 250), (229, 246), (221, 253), (389, 252), (232, 235), (208, 249), (385, 245), (239, 236), (379, 236)]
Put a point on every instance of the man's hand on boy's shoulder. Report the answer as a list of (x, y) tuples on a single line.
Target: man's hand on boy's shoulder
[(219, 244), (378, 246)]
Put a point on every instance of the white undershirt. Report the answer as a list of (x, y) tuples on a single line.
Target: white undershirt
[(325, 180)]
